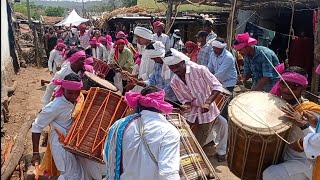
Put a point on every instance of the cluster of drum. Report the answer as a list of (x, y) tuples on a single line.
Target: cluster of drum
[(255, 125)]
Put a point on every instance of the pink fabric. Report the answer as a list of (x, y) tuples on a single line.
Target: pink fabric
[(138, 58), (60, 40), (94, 42), (318, 70), (65, 84), (280, 68), (244, 40), (102, 39), (60, 45), (109, 41), (289, 77), (88, 68), (157, 24), (200, 82), (119, 34), (88, 60), (76, 56), (155, 100)]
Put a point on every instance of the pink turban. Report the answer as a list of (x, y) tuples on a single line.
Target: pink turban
[(288, 77), (88, 60), (65, 84), (76, 56), (119, 34), (60, 40), (102, 39), (94, 42), (157, 24), (244, 40), (155, 100)]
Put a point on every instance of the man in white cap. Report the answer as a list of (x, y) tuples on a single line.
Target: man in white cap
[(158, 28), (144, 37), (196, 88), (178, 44), (162, 75), (222, 64)]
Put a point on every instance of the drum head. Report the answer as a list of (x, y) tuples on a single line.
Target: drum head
[(258, 112), (104, 83)]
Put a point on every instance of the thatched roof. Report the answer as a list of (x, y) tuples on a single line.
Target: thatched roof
[(249, 4), (20, 16), (121, 11), (51, 19)]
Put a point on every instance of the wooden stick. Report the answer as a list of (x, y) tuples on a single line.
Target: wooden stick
[(17, 150)]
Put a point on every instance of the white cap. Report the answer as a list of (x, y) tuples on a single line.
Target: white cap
[(218, 44), (158, 51), (176, 57), (143, 32)]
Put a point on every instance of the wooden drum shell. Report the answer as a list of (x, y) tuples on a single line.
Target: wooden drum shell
[(193, 162), (252, 150), (87, 135)]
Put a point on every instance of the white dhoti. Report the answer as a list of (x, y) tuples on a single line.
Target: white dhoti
[(92, 169), (67, 163)]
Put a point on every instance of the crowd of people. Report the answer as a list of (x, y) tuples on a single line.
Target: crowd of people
[(160, 74)]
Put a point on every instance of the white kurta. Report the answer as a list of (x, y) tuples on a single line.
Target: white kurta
[(164, 39), (64, 71), (163, 140), (311, 145), (55, 60), (57, 114)]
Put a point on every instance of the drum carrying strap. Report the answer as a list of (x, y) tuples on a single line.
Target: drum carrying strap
[(141, 132)]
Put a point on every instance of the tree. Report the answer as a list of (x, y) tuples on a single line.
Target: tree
[(35, 10), (129, 3), (54, 11)]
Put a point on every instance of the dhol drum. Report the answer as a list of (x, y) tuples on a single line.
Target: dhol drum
[(100, 66), (91, 80), (257, 130), (222, 99), (87, 135), (194, 163)]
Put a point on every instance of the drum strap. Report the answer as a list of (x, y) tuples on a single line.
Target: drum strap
[(141, 132)]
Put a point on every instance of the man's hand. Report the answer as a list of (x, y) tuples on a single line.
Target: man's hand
[(310, 117), (205, 108), (296, 145), (35, 158), (293, 116), (186, 108)]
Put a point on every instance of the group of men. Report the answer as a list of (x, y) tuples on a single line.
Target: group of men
[(164, 80)]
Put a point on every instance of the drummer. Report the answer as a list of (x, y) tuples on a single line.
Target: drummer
[(296, 164), (144, 37), (75, 57), (154, 154), (162, 75), (196, 88), (57, 114)]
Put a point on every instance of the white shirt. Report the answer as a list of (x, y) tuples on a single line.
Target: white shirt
[(85, 38), (55, 59), (57, 113), (64, 71), (311, 145), (146, 67), (163, 140), (164, 39), (100, 52)]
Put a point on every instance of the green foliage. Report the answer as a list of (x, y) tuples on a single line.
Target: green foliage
[(129, 3), (54, 11), (38, 10), (101, 8)]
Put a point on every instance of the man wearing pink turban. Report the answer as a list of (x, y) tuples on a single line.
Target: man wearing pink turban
[(148, 145), (75, 62), (258, 63), (84, 35), (56, 59), (158, 28)]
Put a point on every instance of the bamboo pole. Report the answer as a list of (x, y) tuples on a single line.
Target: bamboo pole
[(231, 24)]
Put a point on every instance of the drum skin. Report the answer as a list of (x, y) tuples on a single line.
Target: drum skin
[(255, 119), (91, 80)]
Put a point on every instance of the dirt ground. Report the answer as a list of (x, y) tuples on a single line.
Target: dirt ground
[(26, 102)]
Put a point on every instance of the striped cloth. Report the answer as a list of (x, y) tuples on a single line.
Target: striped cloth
[(200, 84)]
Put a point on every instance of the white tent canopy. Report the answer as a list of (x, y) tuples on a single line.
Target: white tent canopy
[(73, 18)]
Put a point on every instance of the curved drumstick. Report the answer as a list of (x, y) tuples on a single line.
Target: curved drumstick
[(37, 170)]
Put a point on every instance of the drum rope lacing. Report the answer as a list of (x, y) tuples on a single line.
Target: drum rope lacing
[(190, 150)]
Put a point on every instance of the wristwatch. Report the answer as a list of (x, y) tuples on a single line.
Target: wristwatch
[(305, 126)]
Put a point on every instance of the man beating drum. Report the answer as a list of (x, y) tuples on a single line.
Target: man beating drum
[(296, 165), (196, 88), (144, 145)]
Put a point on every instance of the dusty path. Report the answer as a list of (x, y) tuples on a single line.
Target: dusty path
[(27, 102)]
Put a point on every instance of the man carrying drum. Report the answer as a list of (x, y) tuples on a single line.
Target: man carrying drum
[(196, 88), (76, 58), (57, 114), (162, 75), (144, 145), (296, 165)]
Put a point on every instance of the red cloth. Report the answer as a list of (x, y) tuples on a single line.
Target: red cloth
[(193, 55), (314, 19), (301, 53)]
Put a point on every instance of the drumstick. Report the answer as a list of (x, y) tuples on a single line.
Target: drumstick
[(37, 170)]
